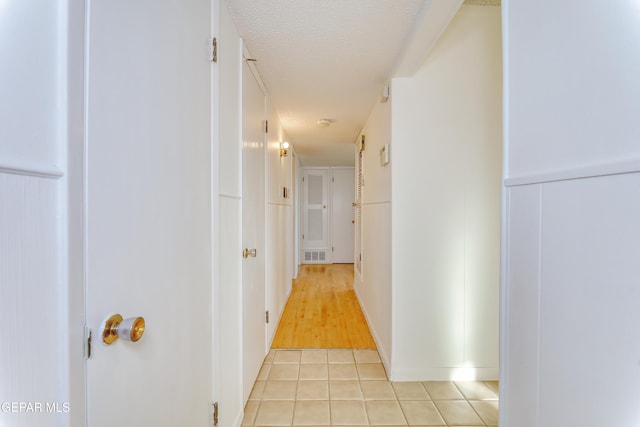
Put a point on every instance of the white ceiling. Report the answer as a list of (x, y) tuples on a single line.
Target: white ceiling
[(326, 59), (331, 59)]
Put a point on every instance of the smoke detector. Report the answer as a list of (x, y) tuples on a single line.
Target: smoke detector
[(323, 123)]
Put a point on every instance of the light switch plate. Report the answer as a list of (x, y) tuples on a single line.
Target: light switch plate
[(384, 155)]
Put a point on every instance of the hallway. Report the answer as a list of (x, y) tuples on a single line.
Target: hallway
[(323, 369), (349, 387), (323, 311)]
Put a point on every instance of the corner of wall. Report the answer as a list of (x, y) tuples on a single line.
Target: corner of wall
[(446, 130)]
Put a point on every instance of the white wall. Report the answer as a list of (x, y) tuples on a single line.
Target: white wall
[(295, 193), (41, 118), (280, 224), (571, 208), (373, 288), (279, 255), (446, 131), (553, 68), (228, 244)]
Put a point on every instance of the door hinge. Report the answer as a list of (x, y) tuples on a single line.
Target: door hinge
[(215, 413), (266, 316), (266, 126), (214, 50), (333, 179), (87, 342), (332, 249), (303, 237)]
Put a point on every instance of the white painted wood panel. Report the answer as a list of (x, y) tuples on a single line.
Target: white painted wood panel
[(280, 223), (446, 150), (483, 171), (374, 293), (519, 395), (253, 229), (41, 307), (32, 303), (149, 211), (295, 185), (31, 83), (275, 163), (278, 167), (571, 129), (377, 133), (428, 236), (589, 302), (230, 75), (551, 70), (73, 153), (228, 224), (374, 285), (229, 299), (279, 261), (342, 214)]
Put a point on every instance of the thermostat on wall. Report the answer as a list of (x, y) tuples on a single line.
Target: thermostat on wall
[(384, 155)]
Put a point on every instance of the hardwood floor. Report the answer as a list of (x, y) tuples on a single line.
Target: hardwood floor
[(323, 311)]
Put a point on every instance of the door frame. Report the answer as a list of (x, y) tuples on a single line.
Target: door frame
[(74, 254), (215, 208)]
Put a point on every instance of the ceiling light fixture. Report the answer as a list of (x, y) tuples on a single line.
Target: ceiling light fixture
[(323, 123)]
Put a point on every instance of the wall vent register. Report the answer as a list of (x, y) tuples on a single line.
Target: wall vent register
[(315, 256)]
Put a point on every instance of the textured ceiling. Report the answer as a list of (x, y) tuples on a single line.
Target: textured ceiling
[(325, 59)]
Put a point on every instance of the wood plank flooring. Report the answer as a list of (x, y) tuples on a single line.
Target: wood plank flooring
[(323, 311)]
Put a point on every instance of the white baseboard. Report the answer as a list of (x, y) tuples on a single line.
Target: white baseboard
[(445, 374)]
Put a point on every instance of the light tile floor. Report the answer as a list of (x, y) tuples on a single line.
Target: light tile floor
[(350, 388)]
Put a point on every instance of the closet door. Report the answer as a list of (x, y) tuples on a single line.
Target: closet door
[(342, 215), (147, 216), (315, 232), (357, 241)]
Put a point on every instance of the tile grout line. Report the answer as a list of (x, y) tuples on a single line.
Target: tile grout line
[(469, 402), (364, 402), (329, 392), (395, 394), (270, 359), (295, 394)]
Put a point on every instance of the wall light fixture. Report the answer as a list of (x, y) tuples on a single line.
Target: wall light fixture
[(284, 149)]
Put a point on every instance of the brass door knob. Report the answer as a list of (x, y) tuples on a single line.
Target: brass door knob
[(115, 327)]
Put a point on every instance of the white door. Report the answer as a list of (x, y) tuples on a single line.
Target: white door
[(358, 235), (315, 227), (253, 228), (148, 211), (342, 214)]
